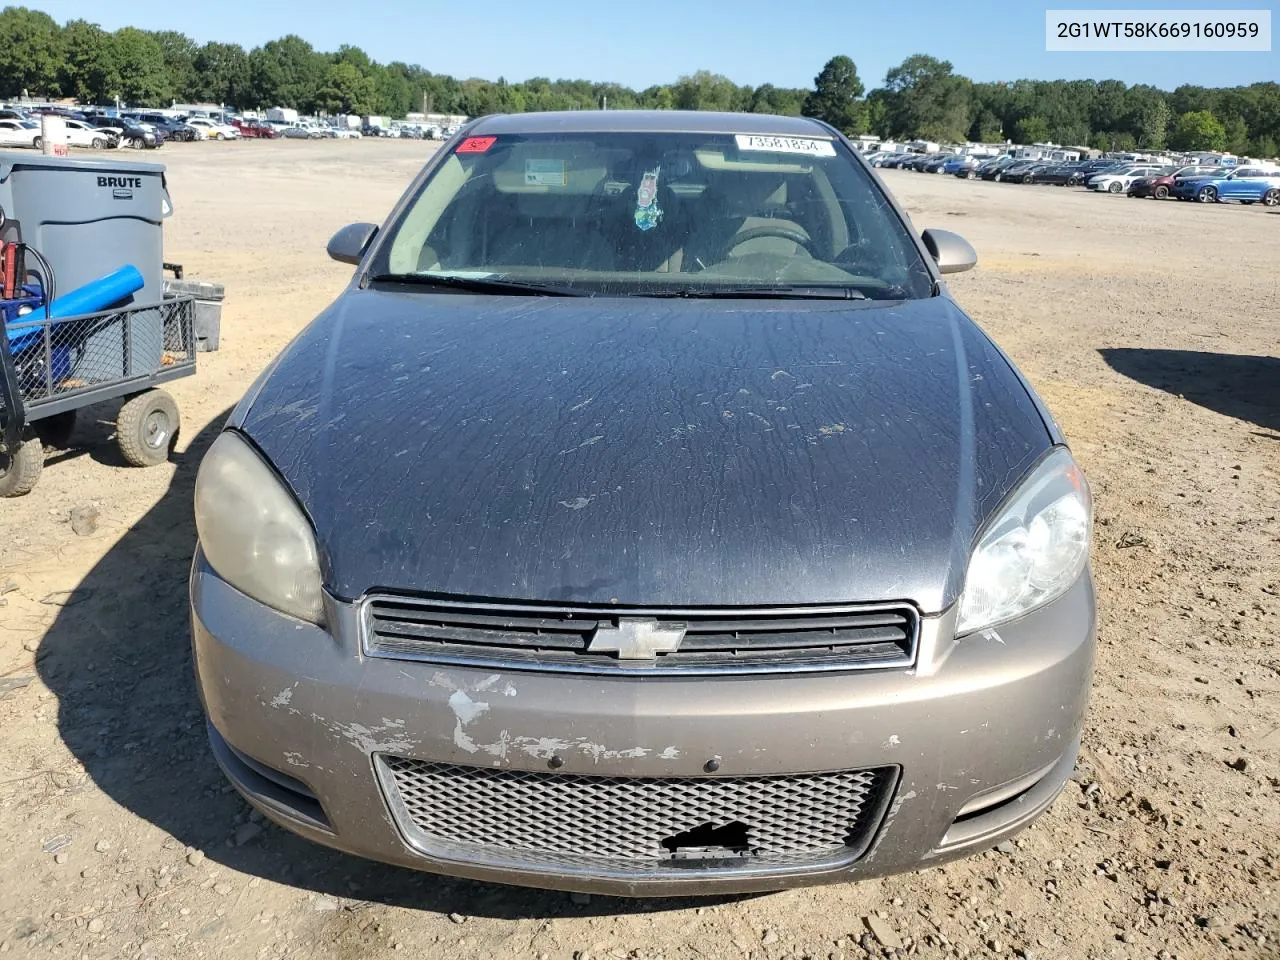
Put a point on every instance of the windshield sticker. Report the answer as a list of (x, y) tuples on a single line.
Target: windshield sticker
[(648, 213), (544, 173), (475, 144), (802, 145)]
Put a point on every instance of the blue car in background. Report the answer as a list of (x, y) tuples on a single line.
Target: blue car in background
[(960, 166), (1246, 184)]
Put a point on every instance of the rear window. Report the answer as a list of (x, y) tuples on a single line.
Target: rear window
[(634, 213)]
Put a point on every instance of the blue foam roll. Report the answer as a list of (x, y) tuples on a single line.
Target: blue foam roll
[(98, 294)]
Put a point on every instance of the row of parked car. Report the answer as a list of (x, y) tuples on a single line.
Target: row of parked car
[(148, 130), (1248, 184), (315, 130), (923, 162), (309, 130), (140, 130)]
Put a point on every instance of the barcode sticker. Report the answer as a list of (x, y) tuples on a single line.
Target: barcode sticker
[(802, 145)]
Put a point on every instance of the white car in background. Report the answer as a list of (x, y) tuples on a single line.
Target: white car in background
[(19, 133), (77, 133), (345, 133), (1117, 181), (211, 129)]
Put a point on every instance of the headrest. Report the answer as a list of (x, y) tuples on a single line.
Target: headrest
[(742, 194)]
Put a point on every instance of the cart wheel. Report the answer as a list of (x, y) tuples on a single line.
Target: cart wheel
[(55, 431), (20, 470), (147, 428)]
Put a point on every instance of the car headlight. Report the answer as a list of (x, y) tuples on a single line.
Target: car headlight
[(1034, 549), (253, 533)]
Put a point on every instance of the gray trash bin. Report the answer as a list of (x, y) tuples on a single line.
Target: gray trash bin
[(89, 218), (208, 319)]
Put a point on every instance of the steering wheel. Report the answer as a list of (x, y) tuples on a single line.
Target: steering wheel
[(769, 230)]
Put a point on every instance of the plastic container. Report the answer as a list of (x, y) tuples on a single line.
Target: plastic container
[(209, 297), (89, 218)]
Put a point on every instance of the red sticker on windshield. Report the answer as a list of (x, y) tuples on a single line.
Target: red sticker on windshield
[(476, 144)]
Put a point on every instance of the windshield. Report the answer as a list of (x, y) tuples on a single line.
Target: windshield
[(638, 214)]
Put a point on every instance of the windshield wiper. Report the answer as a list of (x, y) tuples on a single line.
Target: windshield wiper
[(519, 288), (788, 292)]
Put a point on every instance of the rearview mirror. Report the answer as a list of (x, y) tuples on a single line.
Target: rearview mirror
[(349, 244), (950, 251)]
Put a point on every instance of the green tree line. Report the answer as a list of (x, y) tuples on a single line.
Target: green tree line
[(921, 97)]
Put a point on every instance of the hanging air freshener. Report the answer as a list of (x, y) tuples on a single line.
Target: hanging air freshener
[(648, 213)]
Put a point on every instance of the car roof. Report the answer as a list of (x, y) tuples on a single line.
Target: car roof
[(648, 121)]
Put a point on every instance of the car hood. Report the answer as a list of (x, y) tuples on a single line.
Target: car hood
[(649, 452)]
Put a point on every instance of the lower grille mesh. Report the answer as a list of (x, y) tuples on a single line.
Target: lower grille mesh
[(620, 823)]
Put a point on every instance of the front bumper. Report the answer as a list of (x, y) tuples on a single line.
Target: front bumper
[(980, 735)]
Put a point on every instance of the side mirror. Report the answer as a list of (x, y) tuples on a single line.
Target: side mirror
[(349, 244), (952, 252)]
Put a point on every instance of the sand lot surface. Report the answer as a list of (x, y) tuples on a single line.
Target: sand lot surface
[(1152, 330)]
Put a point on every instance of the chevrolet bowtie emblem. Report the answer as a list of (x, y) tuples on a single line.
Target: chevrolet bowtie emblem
[(635, 639)]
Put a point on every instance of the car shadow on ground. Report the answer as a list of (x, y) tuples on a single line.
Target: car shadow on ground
[(118, 657), (1240, 386)]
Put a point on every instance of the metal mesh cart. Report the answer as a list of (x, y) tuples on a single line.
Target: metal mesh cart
[(50, 368)]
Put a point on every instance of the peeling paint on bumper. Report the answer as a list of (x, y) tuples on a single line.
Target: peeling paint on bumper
[(973, 717)]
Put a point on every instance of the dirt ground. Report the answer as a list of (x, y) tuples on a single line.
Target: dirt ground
[(1151, 329)]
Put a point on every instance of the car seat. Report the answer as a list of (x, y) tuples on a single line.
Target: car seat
[(737, 209), (542, 230)]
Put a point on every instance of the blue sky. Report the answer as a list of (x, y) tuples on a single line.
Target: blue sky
[(654, 41)]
